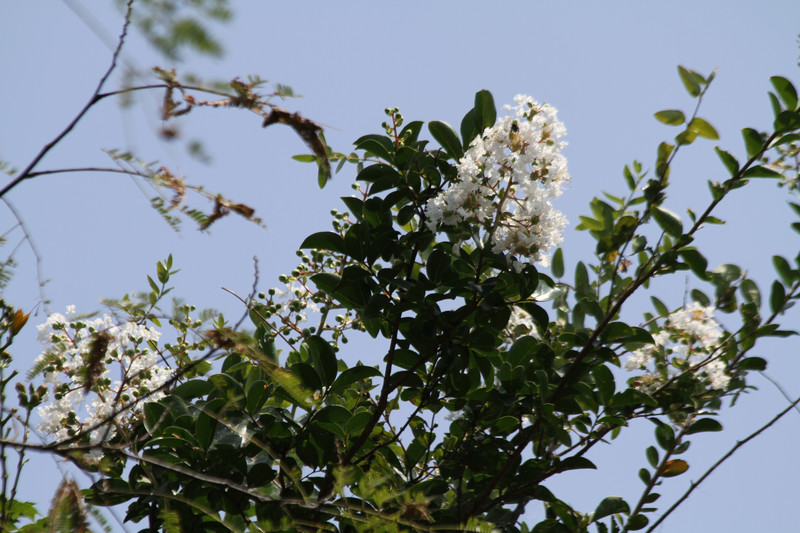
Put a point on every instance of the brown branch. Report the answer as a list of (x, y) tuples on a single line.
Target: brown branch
[(25, 174), (722, 459)]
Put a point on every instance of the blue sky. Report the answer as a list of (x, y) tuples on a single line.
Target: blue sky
[(607, 67)]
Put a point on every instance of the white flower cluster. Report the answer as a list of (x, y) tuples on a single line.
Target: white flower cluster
[(67, 356), (689, 339), (506, 182)]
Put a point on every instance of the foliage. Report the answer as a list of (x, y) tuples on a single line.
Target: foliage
[(489, 371)]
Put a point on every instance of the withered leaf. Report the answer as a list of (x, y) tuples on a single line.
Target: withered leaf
[(307, 130)]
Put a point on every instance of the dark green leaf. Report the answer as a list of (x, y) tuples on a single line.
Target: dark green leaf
[(753, 141), (753, 363), (661, 309), (154, 416), (469, 130), (696, 261), (777, 297), (673, 117), (485, 110), (760, 171), (557, 264), (786, 91), (323, 358), (790, 138), (784, 269), (728, 160), (700, 297), (667, 220), (750, 292), (632, 397), (637, 522), (324, 240), (204, 429), (379, 145), (610, 505), (704, 424), (353, 375), (652, 456), (616, 331), (194, 388), (665, 437), (787, 121), (582, 287), (326, 282), (446, 136)]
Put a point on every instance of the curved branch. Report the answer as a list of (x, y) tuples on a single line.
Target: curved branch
[(25, 174), (722, 460)]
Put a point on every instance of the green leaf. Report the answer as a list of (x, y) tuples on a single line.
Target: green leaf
[(616, 331), (789, 138), (753, 363), (786, 121), (326, 282), (446, 136), (760, 171), (665, 437), (582, 287), (353, 375), (154, 416), (702, 128), (637, 522), (753, 141), (729, 161), (204, 429), (786, 91), (664, 151), (685, 138), (704, 424), (696, 261), (689, 81), (750, 292), (324, 240), (632, 397), (469, 130), (610, 505), (380, 145), (667, 220), (661, 309), (322, 358), (652, 456), (485, 110), (700, 297), (673, 117), (557, 264), (784, 269), (305, 158), (194, 388), (777, 297)]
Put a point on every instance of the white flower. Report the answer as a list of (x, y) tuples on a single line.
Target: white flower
[(506, 181), (690, 337), (67, 410)]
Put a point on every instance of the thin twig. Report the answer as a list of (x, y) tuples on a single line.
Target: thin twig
[(722, 459), (34, 249), (25, 174)]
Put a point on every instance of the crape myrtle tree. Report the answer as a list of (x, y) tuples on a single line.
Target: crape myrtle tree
[(495, 365)]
